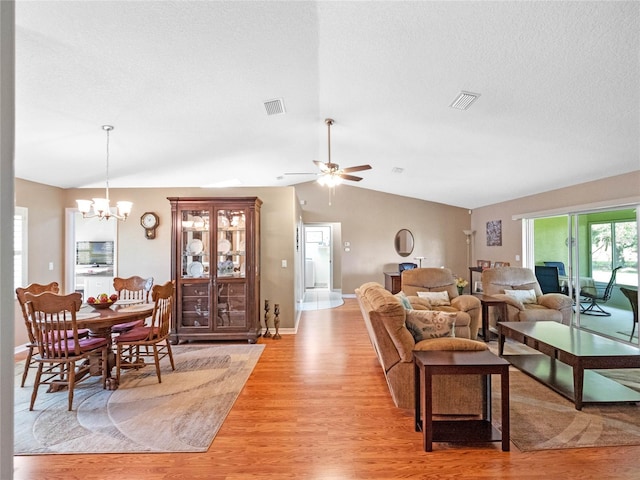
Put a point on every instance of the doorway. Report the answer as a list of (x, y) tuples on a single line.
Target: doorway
[(90, 254), (318, 257), (591, 245)]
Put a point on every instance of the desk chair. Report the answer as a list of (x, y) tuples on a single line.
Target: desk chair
[(559, 265), (406, 266), (548, 279)]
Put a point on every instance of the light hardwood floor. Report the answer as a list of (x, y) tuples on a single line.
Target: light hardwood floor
[(317, 407)]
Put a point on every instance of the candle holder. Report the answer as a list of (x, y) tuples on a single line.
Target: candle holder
[(276, 321), (267, 333)]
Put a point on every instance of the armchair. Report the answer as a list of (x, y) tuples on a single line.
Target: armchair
[(441, 280), (509, 283)]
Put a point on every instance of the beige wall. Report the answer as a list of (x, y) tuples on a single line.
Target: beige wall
[(45, 237), (370, 221), (605, 190), (139, 256)]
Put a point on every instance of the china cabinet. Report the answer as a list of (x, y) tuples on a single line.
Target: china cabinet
[(215, 262)]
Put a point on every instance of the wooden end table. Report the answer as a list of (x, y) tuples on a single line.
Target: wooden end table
[(448, 362), (489, 301)]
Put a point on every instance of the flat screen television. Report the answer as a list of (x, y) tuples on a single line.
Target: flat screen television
[(94, 253)]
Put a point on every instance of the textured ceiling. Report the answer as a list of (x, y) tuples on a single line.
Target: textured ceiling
[(184, 84)]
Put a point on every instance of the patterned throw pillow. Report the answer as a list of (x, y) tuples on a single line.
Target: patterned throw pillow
[(424, 324), (436, 299), (404, 300), (523, 296)]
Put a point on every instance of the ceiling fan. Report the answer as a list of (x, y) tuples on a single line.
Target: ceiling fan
[(330, 173)]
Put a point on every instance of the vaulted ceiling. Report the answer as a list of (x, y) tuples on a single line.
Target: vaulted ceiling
[(184, 83)]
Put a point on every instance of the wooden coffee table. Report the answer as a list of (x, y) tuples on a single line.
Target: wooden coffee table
[(570, 355), (446, 362)]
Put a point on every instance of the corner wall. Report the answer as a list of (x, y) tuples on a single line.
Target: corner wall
[(370, 221), (612, 189)]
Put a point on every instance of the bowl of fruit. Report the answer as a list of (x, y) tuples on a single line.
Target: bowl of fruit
[(102, 301)]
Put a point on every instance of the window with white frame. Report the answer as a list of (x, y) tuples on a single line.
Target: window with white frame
[(20, 247)]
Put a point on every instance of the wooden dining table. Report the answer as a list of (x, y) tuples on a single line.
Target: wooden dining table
[(99, 323)]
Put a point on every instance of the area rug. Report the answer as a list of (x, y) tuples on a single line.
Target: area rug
[(181, 414), (542, 419)]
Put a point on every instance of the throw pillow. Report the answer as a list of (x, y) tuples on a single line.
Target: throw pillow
[(523, 296), (404, 300), (436, 299), (447, 343), (424, 324)]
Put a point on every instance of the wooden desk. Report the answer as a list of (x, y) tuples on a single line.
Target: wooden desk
[(393, 281), (429, 363)]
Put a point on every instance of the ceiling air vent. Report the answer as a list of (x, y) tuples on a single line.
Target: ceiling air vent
[(275, 106), (464, 100)]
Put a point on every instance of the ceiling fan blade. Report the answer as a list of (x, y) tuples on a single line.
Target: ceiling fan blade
[(353, 178), (323, 166), (301, 173), (358, 168)]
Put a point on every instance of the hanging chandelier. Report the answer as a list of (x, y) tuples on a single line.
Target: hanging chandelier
[(101, 207)]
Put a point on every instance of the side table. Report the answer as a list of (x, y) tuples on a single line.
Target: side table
[(448, 362), (393, 281), (489, 301)]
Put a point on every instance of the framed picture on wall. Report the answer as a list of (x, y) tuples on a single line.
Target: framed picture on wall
[(494, 233)]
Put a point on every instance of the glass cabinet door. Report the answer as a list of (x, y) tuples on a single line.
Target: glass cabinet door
[(195, 238), (230, 245), (195, 268), (231, 268)]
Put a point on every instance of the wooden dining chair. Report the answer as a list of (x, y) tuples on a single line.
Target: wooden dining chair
[(52, 317), (151, 340), (32, 345), (132, 288)]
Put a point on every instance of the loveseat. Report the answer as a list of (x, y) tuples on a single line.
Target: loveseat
[(442, 280), (520, 289), (385, 318)]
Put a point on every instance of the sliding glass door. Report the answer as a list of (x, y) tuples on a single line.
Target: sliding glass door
[(597, 252)]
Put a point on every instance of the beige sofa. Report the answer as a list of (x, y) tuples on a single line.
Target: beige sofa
[(384, 316), (440, 280), (549, 306)]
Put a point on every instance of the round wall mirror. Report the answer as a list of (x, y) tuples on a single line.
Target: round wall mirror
[(404, 243)]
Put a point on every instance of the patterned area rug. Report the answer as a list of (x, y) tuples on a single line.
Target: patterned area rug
[(181, 414), (542, 419)]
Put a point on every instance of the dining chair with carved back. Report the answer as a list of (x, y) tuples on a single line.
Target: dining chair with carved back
[(151, 340), (52, 317), (132, 289), (32, 345)]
